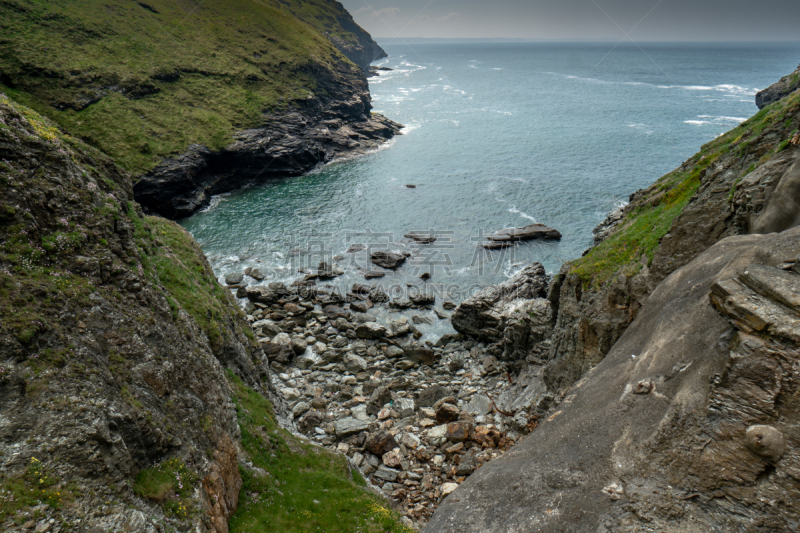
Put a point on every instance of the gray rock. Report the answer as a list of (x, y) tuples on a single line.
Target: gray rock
[(355, 363), (349, 426), (300, 409), (703, 360), (370, 330), (234, 278), (481, 315), (386, 259), (479, 405), (387, 474), (404, 407)]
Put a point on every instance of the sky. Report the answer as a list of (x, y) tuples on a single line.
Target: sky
[(637, 20)]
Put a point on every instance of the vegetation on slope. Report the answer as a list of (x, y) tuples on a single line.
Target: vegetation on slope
[(61, 219), (301, 487), (651, 217), (144, 80)]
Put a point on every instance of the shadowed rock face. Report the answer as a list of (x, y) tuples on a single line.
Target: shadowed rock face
[(786, 86), (102, 371), (688, 425)]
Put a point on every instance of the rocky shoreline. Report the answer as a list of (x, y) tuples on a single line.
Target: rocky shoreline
[(416, 418), (287, 145)]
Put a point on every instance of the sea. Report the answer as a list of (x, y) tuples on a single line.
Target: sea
[(497, 135)]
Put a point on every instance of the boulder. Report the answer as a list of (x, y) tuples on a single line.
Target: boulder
[(234, 278), (506, 237), (386, 259), (481, 316), (370, 331), (354, 363), (349, 426), (430, 396), (446, 412), (715, 423), (380, 442)]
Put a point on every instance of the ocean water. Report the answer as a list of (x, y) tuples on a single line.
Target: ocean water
[(497, 135)]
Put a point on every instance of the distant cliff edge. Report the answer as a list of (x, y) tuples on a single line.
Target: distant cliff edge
[(196, 100)]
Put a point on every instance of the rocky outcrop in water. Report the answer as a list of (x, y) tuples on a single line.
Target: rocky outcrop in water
[(287, 145)]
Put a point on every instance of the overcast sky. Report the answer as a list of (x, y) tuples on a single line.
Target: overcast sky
[(640, 20)]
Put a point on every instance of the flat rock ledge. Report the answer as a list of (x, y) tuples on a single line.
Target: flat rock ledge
[(512, 236)]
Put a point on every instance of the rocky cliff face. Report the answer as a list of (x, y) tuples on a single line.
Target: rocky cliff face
[(742, 183), (197, 100), (112, 346), (687, 425), (786, 86), (669, 411)]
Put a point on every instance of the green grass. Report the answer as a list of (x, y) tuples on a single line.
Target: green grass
[(172, 259), (298, 475), (644, 226), (34, 487), (170, 484), (195, 72)]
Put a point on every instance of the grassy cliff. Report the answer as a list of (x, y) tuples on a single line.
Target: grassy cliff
[(654, 211), (144, 80), (128, 375)]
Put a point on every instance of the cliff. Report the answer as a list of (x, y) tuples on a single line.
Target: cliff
[(133, 394), (784, 87), (196, 99), (663, 383)]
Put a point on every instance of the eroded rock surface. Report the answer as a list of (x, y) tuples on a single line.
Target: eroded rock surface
[(687, 425)]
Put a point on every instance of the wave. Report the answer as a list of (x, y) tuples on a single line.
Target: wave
[(732, 90), (520, 213)]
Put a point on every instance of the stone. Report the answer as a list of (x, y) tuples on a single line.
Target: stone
[(466, 467), (480, 316), (354, 363), (298, 346), (282, 339), (404, 407), (479, 405), (447, 412), (359, 307), (409, 440), (387, 474), (401, 303), (400, 327), (421, 238), (429, 396), (417, 319), (380, 442), (300, 409), (448, 305), (393, 458), (766, 441), (421, 354), (448, 488), (393, 352), (234, 278), (374, 274), (257, 274), (370, 330), (386, 259), (303, 362), (459, 431), (515, 235), (349, 426), (437, 432), (423, 299)]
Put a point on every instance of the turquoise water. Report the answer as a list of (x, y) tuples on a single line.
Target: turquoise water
[(498, 135)]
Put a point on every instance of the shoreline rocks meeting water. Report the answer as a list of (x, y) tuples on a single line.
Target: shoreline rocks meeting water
[(415, 417)]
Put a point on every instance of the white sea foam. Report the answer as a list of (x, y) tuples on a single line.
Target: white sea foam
[(520, 213), (697, 122)]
